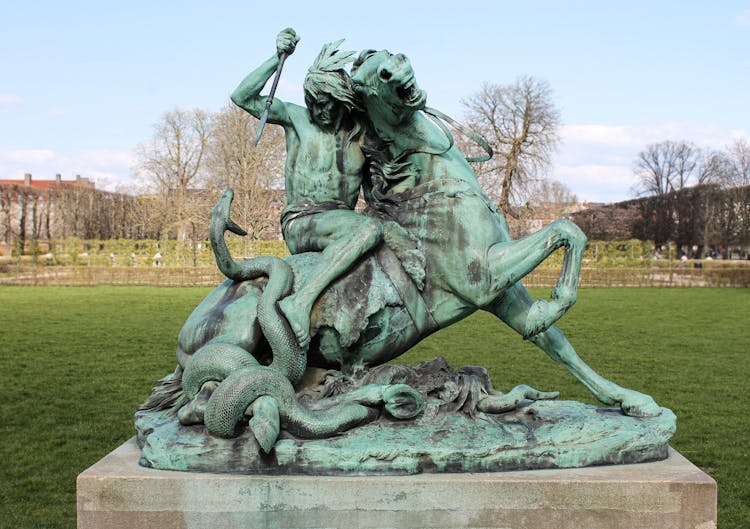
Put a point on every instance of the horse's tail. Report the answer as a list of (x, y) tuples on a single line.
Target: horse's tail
[(166, 394)]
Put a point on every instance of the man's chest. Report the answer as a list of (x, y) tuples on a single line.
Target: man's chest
[(331, 153)]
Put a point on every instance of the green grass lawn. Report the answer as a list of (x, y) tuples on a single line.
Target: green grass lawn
[(76, 362)]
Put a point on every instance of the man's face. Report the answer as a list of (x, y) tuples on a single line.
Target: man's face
[(325, 112)]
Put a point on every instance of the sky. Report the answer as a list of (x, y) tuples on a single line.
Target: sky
[(83, 82)]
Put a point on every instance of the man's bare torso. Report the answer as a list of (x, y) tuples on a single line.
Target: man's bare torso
[(322, 167)]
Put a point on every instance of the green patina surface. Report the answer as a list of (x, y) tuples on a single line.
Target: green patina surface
[(545, 434), (360, 289)]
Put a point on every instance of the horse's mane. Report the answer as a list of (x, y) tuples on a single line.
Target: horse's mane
[(385, 170)]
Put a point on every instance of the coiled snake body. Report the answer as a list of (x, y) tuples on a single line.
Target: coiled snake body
[(241, 380), (288, 357)]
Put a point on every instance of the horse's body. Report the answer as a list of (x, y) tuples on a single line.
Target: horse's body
[(229, 315), (425, 185)]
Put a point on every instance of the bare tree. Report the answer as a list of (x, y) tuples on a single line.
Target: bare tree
[(739, 153), (547, 200), (172, 161), (6, 219), (709, 199), (23, 202), (663, 169), (737, 181), (253, 172), (552, 193), (521, 123)]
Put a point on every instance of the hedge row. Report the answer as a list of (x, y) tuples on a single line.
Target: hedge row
[(137, 253)]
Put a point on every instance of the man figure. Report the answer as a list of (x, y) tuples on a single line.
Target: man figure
[(323, 171)]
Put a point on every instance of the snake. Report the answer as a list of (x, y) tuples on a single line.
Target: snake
[(242, 380), (288, 357), (230, 399)]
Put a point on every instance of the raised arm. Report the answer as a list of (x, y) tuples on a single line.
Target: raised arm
[(247, 94)]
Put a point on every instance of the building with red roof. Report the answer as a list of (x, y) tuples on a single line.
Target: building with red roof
[(45, 185)]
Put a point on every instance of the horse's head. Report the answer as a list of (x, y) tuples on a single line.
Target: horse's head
[(387, 86)]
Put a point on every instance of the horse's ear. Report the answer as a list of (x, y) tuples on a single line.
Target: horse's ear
[(362, 88), (362, 57)]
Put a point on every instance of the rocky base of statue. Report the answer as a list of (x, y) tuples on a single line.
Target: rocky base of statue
[(453, 434)]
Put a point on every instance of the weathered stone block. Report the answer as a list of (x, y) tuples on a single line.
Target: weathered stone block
[(116, 493)]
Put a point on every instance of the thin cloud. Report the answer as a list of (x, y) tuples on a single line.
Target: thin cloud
[(104, 180), (10, 100), (27, 156), (108, 168), (596, 161), (597, 182), (615, 136), (603, 174), (106, 158), (599, 134), (743, 19)]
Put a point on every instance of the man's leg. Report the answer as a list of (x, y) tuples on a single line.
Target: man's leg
[(344, 236)]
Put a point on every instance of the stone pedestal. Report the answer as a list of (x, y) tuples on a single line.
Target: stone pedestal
[(116, 493)]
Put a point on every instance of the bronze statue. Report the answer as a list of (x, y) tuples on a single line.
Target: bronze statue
[(361, 289)]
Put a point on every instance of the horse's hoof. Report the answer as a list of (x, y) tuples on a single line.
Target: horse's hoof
[(403, 402), (535, 394), (542, 315), (637, 404), (501, 403), (538, 319)]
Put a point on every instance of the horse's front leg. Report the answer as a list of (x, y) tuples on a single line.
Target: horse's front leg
[(514, 309), (511, 260)]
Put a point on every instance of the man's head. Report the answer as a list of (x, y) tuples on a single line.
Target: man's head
[(329, 94)]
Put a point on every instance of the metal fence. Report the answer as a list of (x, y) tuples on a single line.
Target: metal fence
[(648, 277), (112, 275), (14, 274)]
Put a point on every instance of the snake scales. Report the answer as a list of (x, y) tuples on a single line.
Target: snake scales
[(242, 380)]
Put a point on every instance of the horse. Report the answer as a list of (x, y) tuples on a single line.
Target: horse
[(431, 191), (447, 253)]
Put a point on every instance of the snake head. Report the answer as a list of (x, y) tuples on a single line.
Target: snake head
[(220, 214)]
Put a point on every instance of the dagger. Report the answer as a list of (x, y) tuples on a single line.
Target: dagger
[(264, 117)]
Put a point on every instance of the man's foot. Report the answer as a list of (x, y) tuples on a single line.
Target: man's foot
[(298, 318)]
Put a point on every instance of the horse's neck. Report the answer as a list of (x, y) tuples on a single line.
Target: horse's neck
[(427, 151), (416, 134)]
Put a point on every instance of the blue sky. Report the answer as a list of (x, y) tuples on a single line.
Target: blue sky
[(83, 82)]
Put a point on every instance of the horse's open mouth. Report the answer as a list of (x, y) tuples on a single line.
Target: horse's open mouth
[(410, 93)]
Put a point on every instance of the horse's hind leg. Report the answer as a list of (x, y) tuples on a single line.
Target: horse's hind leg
[(514, 309), (510, 261)]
